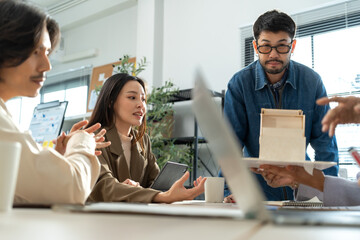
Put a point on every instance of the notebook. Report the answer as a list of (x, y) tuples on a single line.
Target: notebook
[(314, 202)]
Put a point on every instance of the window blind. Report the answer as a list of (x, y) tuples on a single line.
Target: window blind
[(320, 20), (69, 79)]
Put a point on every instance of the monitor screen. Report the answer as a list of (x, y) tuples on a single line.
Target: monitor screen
[(47, 121)]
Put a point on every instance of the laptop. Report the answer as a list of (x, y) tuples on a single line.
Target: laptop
[(227, 151)]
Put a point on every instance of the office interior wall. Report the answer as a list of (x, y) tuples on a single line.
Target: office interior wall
[(150, 39), (195, 33), (113, 36), (205, 33)]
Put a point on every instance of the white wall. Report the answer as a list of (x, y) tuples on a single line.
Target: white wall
[(205, 33), (113, 35), (194, 33)]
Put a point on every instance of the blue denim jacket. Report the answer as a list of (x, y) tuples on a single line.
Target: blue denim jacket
[(248, 92)]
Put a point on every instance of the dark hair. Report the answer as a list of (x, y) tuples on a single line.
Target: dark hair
[(104, 108), (274, 21), (21, 26)]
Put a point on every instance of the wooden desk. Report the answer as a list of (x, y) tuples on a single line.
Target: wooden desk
[(46, 224)]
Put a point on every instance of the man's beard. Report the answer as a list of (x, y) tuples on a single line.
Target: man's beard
[(275, 71)]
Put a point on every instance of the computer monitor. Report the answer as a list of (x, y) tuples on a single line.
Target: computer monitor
[(47, 121)]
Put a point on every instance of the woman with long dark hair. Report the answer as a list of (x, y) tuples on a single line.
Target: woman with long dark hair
[(128, 166)]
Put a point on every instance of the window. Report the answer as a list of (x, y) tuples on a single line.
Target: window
[(74, 91), (21, 109), (326, 41), (71, 86)]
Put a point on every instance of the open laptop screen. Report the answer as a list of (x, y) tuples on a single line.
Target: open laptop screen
[(227, 151)]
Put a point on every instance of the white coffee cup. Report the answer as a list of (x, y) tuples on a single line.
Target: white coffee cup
[(10, 153), (214, 189)]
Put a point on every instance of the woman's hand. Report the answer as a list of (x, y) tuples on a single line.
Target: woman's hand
[(62, 140), (291, 176), (59, 142), (275, 176), (178, 192), (347, 111), (198, 181), (131, 183), (229, 199)]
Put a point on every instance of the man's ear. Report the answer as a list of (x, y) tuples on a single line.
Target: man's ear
[(293, 45), (255, 46)]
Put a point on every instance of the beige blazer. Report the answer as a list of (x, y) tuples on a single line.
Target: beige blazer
[(114, 170)]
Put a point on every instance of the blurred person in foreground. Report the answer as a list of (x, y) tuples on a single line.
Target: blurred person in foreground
[(67, 173)]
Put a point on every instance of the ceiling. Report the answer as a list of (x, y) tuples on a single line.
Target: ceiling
[(70, 13), (46, 3), (56, 6)]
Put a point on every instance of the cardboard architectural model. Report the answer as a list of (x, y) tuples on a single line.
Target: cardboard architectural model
[(282, 135)]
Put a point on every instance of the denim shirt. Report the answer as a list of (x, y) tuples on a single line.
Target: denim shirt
[(248, 92)]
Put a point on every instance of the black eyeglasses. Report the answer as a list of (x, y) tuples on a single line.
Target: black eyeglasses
[(281, 49)]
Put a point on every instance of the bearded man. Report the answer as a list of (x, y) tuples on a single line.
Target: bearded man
[(275, 81)]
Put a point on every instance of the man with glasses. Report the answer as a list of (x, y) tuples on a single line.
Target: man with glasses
[(275, 81)]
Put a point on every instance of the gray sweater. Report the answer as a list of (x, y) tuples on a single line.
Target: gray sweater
[(337, 192)]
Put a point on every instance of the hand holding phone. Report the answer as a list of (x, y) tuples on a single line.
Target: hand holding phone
[(354, 154)]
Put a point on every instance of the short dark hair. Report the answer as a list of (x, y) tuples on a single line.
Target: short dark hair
[(21, 26), (103, 112), (274, 21)]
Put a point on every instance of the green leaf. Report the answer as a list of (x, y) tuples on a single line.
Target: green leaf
[(159, 126)]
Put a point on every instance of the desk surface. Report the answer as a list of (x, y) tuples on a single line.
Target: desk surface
[(277, 232), (47, 224)]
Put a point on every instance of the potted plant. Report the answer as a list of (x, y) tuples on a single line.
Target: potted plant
[(160, 123)]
